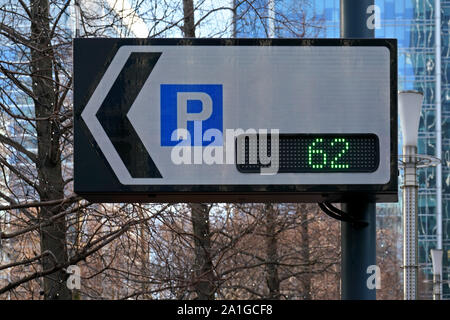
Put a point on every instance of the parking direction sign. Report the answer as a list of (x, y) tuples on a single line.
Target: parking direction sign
[(235, 119)]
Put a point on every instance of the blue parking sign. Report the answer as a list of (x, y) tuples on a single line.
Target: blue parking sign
[(184, 104)]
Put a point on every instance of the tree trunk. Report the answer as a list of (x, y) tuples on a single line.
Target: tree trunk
[(304, 251), (203, 267), (234, 20), (189, 23), (272, 278), (51, 185)]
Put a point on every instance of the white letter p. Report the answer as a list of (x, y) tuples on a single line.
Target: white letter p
[(183, 116)]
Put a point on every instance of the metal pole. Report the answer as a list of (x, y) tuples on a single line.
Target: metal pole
[(436, 258), (358, 244), (410, 249), (437, 284), (437, 41), (271, 22), (77, 14)]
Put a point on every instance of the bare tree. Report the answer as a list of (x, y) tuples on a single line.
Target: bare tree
[(34, 45), (43, 214), (204, 281), (273, 281), (303, 213), (48, 132)]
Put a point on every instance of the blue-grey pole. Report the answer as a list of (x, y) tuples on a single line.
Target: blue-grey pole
[(358, 243)]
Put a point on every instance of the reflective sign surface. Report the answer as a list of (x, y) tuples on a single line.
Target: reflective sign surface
[(162, 117)]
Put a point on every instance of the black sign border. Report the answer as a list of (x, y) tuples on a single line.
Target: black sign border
[(96, 181)]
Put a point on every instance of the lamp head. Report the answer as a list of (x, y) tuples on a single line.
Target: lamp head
[(409, 107), (436, 258)]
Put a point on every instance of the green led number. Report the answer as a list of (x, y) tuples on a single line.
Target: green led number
[(313, 150), (344, 143)]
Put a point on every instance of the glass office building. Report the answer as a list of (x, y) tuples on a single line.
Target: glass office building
[(413, 23)]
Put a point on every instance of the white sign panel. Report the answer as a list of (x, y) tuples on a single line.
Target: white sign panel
[(245, 114)]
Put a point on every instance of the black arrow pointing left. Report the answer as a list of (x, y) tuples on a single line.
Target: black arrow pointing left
[(112, 114)]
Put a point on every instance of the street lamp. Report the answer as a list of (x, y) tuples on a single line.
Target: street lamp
[(409, 105), (436, 258)]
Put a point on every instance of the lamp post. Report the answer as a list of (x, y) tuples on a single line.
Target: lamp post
[(410, 104), (436, 258)]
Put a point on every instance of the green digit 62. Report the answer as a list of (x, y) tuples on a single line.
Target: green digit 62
[(317, 148)]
